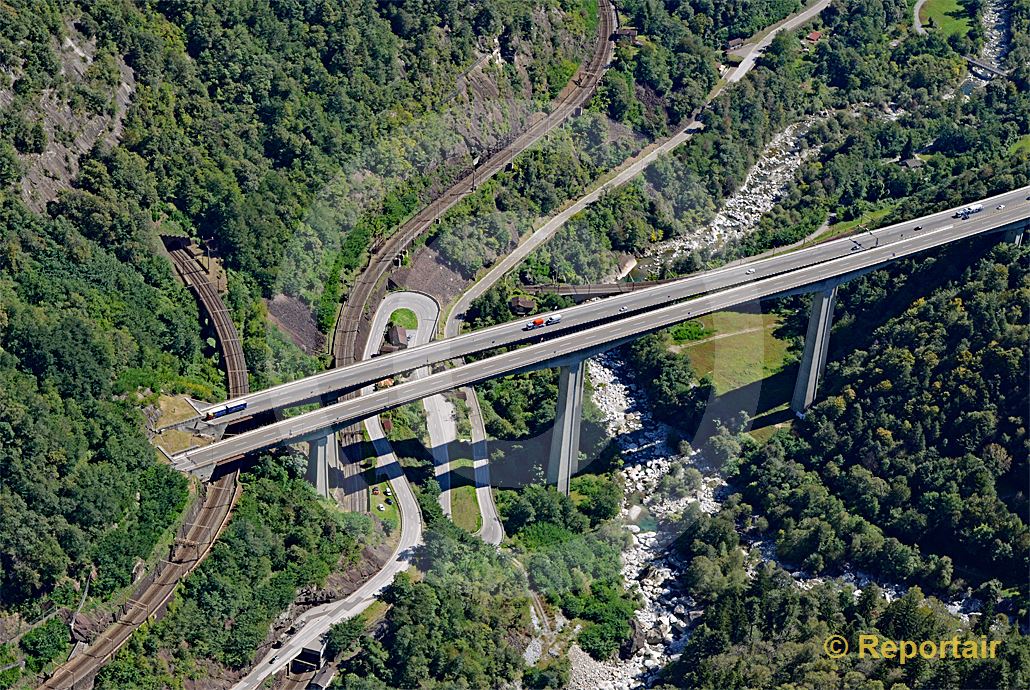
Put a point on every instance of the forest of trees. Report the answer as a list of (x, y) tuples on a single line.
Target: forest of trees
[(253, 125), (79, 331), (239, 116), (762, 630), (462, 625), (913, 463), (280, 539)]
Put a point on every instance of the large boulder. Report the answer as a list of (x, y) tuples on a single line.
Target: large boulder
[(634, 643)]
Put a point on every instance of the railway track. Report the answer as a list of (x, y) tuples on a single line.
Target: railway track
[(192, 547), (351, 333), (228, 338), (355, 320)]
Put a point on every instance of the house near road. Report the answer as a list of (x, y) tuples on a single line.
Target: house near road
[(520, 305), (626, 34), (397, 337)]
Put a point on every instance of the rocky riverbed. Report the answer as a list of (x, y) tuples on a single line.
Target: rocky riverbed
[(663, 621), (765, 183), (995, 18), (996, 32), (668, 612)]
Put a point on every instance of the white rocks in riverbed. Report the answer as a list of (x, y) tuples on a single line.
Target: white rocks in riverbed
[(761, 190), (533, 650)]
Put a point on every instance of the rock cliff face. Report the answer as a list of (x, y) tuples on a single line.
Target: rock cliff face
[(88, 109)]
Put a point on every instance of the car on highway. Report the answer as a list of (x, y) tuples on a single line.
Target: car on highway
[(1000, 206), (918, 227), (749, 271)]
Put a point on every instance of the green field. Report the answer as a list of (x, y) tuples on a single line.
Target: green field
[(405, 318), (464, 504), (465, 508), (1022, 146), (748, 366), (947, 16), (742, 350)]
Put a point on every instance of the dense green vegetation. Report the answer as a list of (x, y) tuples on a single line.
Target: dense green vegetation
[(462, 625), (912, 463), (79, 333), (573, 566), (295, 135), (722, 19), (243, 128), (44, 644), (911, 467), (279, 539), (764, 631), (244, 114)]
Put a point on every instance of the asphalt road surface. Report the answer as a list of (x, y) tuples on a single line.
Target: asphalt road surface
[(439, 413), (809, 265), (317, 621), (649, 311)]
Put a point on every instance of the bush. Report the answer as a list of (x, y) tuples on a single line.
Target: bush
[(44, 644)]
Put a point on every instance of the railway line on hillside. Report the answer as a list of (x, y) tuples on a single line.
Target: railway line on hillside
[(198, 533), (355, 320)]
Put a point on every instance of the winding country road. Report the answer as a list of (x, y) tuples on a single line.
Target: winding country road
[(917, 23), (316, 622)]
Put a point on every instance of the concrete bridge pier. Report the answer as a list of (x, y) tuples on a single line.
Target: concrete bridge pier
[(1015, 236), (320, 452), (564, 458), (817, 341)]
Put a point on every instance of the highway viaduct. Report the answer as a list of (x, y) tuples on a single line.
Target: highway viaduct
[(609, 323)]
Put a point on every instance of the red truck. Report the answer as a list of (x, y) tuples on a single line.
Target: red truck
[(541, 321)]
